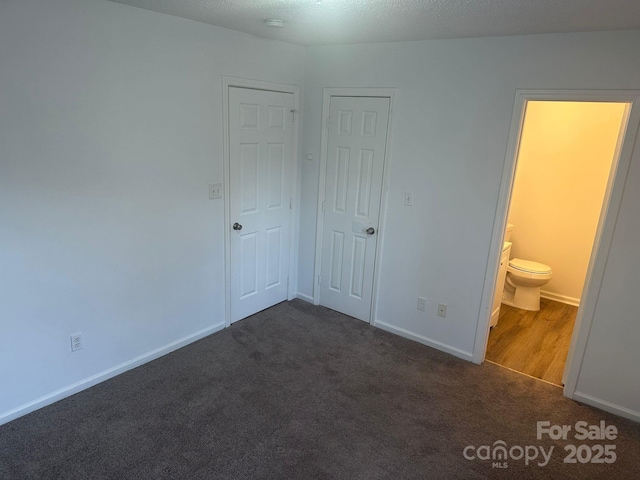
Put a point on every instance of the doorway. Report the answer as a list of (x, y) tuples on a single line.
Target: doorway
[(351, 199), (562, 170), (604, 232), (260, 144)]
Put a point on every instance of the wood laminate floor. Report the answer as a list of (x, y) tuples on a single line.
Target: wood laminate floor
[(535, 343)]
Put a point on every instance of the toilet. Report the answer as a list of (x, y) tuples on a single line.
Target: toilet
[(523, 281)]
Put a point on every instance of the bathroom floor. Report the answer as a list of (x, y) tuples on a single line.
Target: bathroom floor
[(535, 343)]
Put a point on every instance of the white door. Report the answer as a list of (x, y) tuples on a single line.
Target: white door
[(357, 133), (261, 161)]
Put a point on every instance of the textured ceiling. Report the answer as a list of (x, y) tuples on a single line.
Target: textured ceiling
[(309, 22)]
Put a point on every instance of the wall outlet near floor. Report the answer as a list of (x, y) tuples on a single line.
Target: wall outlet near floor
[(408, 199), (422, 304), (442, 310), (76, 342)]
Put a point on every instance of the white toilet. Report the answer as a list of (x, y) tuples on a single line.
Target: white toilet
[(523, 281)]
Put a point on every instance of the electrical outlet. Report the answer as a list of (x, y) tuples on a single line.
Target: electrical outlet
[(408, 199), (442, 310), (76, 342), (422, 304), (215, 191)]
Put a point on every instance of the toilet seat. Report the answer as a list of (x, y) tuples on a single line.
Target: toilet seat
[(527, 266)]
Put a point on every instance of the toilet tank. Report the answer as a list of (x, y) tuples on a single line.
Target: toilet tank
[(507, 232)]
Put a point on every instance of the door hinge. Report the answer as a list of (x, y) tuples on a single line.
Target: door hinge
[(319, 279), (328, 122), (290, 203), (322, 206)]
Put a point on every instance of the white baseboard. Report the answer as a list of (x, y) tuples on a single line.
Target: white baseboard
[(105, 375), (305, 297), (560, 298), (425, 340), (606, 406)]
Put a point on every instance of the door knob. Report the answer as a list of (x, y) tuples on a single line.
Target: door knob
[(371, 231), (237, 226)]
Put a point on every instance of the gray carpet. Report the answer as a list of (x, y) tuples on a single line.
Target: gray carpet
[(302, 392)]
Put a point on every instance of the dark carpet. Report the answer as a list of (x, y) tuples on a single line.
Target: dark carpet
[(302, 392)]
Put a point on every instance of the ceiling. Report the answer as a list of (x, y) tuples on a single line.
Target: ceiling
[(313, 22)]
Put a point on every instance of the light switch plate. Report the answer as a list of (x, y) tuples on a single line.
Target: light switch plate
[(215, 191), (422, 304)]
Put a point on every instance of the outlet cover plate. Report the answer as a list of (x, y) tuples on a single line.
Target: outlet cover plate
[(76, 342)]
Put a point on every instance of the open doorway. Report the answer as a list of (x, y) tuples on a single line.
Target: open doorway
[(564, 161)]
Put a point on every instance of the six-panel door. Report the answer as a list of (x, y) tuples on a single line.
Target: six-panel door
[(357, 133), (261, 159)]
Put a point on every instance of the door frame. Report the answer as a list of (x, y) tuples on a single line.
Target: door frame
[(228, 82), (389, 93), (604, 232)]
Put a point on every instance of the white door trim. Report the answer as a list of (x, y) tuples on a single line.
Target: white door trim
[(604, 232), (389, 93), (228, 82)]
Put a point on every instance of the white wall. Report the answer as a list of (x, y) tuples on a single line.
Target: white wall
[(564, 160), (110, 130), (450, 130)]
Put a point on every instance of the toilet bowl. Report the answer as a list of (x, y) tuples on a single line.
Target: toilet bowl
[(523, 282)]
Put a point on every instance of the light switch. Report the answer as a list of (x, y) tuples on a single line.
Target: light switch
[(408, 199), (215, 191)]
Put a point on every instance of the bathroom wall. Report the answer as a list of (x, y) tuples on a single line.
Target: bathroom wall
[(563, 166)]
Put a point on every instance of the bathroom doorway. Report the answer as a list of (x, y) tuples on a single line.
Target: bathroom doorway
[(566, 168)]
